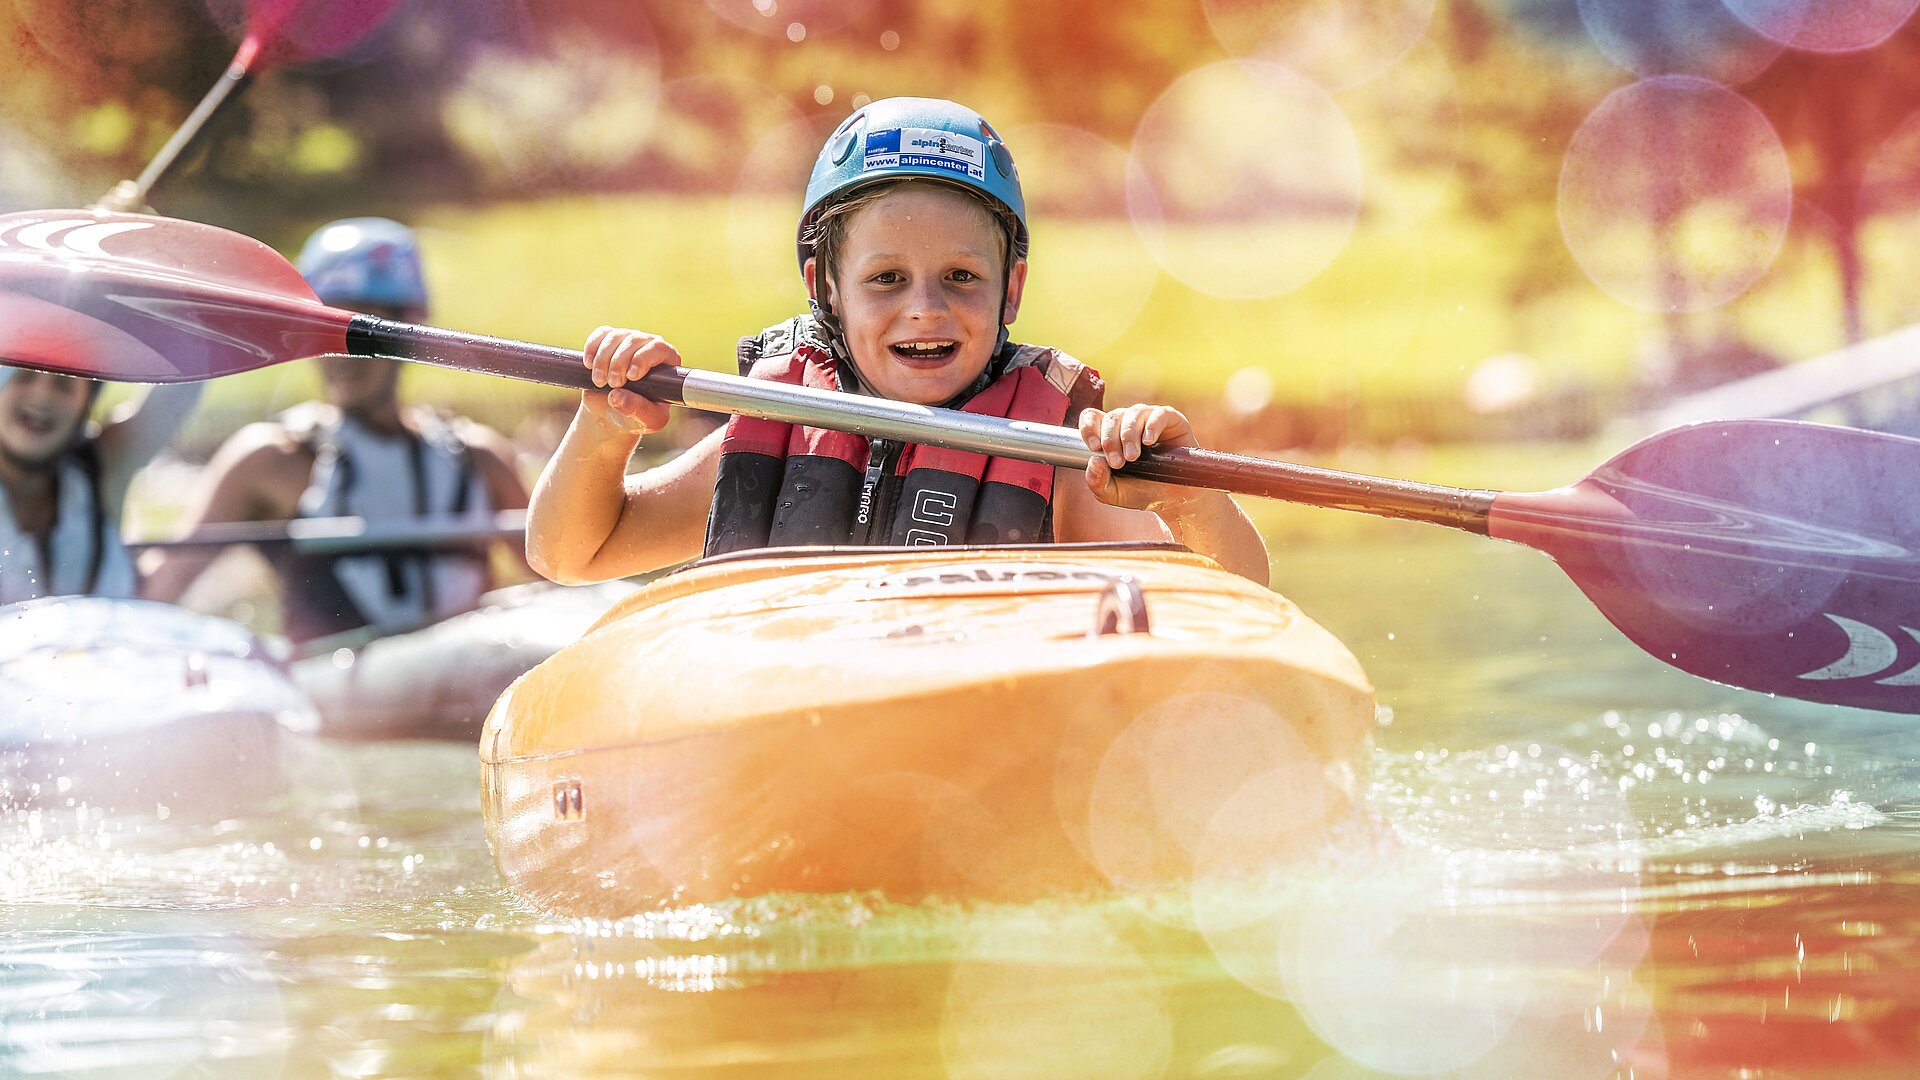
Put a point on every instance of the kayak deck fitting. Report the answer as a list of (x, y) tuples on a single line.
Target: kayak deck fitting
[(970, 723)]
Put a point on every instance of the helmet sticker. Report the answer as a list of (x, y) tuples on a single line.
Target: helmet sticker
[(842, 145), (926, 148)]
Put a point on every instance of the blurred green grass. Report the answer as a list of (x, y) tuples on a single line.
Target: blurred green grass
[(1411, 309), (1404, 309)]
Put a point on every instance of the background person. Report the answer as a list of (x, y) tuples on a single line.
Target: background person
[(62, 487), (360, 451)]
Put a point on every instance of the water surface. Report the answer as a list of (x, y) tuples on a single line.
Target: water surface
[(1570, 862)]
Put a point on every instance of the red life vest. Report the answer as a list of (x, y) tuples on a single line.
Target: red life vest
[(788, 485)]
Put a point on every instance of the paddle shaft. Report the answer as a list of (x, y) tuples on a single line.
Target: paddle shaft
[(954, 430), (236, 77)]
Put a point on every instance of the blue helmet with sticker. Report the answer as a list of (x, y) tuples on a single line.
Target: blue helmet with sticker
[(365, 262), (902, 137)]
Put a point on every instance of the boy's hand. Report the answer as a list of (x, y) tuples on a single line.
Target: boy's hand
[(616, 357), (1117, 437)]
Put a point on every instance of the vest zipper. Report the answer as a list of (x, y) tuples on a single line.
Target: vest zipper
[(880, 455)]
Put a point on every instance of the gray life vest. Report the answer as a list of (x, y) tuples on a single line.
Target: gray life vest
[(359, 472)]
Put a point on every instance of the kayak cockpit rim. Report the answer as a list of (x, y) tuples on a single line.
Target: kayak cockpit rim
[(868, 551)]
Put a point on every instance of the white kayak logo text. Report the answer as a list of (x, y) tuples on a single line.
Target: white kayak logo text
[(1870, 651), (993, 577)]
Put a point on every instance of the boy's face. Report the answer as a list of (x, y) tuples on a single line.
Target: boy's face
[(918, 292), (39, 414)]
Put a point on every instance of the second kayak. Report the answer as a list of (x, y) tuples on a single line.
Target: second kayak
[(133, 706), (439, 681), (990, 723)]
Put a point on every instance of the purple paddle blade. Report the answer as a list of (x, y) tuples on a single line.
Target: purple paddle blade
[(139, 298), (1776, 555), (290, 31)]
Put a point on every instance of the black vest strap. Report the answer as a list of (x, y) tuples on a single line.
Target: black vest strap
[(87, 454)]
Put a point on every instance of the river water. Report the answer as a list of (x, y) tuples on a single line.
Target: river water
[(1571, 862)]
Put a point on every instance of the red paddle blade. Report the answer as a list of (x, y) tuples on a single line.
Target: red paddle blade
[(139, 298), (290, 31), (1770, 554)]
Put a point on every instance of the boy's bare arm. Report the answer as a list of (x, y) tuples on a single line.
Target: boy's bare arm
[(589, 521)]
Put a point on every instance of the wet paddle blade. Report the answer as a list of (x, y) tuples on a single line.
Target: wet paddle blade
[(1770, 554), (144, 299)]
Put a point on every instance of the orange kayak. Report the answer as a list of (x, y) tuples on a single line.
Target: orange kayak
[(985, 723)]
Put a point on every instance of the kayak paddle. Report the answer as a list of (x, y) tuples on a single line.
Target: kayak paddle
[(342, 535), (278, 32), (1773, 555)]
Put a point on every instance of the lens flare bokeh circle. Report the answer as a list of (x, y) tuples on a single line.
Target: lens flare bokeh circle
[(1246, 180), (1675, 194), (1336, 43), (1825, 26), (1678, 37)]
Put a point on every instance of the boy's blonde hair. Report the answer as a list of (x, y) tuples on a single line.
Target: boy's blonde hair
[(828, 230)]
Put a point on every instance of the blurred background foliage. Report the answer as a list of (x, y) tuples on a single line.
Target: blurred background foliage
[(1317, 221)]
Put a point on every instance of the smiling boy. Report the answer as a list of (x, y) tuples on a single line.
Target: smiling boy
[(913, 245)]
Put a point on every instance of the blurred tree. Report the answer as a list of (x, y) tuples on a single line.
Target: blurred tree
[(1516, 122), (1099, 65), (1834, 112), (96, 86)]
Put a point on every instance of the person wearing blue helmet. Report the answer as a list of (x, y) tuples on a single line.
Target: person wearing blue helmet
[(912, 242), (360, 452), (64, 481)]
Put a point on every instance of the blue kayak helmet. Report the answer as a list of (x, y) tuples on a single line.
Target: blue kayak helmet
[(903, 137), (365, 262), (910, 138)]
